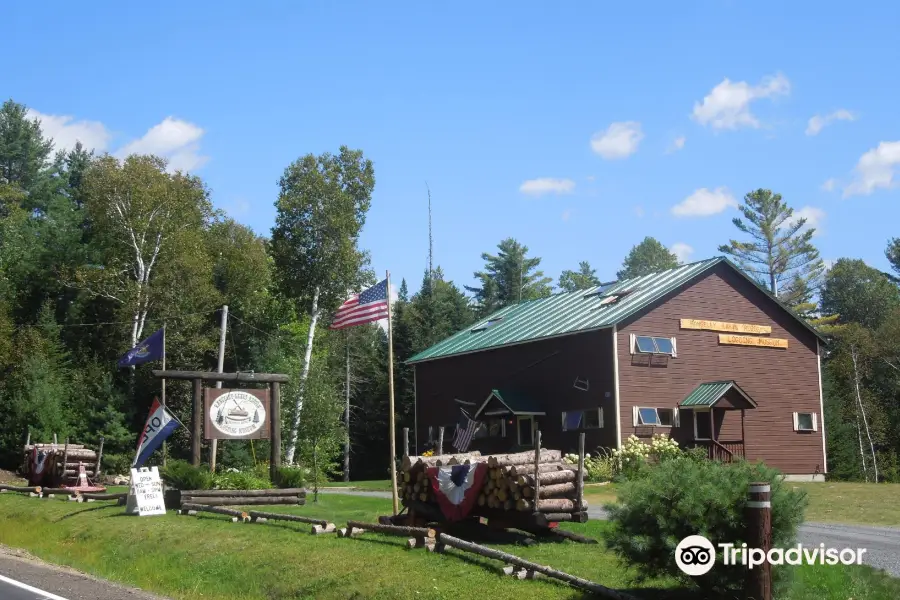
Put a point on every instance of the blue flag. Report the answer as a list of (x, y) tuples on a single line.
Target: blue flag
[(160, 425), (146, 351)]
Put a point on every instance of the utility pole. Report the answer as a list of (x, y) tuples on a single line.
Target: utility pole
[(347, 411), (213, 443), (430, 244)]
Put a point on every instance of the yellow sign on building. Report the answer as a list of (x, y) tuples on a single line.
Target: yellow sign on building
[(746, 340), (724, 326)]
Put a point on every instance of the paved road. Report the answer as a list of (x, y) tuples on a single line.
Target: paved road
[(882, 544), (25, 578)]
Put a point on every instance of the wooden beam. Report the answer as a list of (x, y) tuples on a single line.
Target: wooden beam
[(275, 430), (208, 376)]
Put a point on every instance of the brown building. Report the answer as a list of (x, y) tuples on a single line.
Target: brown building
[(699, 352)]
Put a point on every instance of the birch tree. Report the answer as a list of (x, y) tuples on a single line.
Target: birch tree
[(321, 209), (139, 214)]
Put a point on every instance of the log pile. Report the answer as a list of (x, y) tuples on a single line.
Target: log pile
[(62, 463), (294, 496), (533, 485)]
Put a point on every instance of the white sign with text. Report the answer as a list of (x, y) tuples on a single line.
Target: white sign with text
[(146, 494)]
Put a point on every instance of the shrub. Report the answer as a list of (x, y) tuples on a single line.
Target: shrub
[(240, 480), (117, 464), (682, 497), (290, 477), (182, 475), (599, 469)]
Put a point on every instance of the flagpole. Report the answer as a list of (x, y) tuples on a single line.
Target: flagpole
[(163, 383), (391, 399)]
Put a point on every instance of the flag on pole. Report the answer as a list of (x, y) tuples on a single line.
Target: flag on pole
[(146, 351), (160, 425), (367, 307), (465, 430)]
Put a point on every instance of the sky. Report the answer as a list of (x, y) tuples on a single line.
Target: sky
[(577, 128)]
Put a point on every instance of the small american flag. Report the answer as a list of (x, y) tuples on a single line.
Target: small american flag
[(367, 307), (465, 429)]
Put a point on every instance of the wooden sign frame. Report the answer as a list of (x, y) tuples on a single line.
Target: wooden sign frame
[(725, 326), (728, 339), (246, 416)]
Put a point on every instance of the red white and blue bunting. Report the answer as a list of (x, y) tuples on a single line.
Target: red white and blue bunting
[(456, 488)]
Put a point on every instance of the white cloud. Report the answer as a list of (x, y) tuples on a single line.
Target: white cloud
[(66, 131), (682, 251), (705, 203), (547, 185), (829, 185), (727, 106), (818, 122), (814, 217), (174, 139), (639, 211), (590, 178), (620, 140), (874, 170), (677, 144), (567, 214)]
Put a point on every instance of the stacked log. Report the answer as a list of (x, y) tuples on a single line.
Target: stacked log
[(63, 462), (293, 496), (510, 484)]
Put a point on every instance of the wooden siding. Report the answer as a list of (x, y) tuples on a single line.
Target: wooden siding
[(780, 381), (544, 371)]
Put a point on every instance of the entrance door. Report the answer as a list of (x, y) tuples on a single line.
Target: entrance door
[(526, 431), (702, 425)]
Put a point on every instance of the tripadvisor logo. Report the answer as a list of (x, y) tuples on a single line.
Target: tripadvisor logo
[(695, 555)]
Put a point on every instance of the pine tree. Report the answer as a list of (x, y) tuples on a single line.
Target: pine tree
[(509, 277), (585, 277), (780, 253)]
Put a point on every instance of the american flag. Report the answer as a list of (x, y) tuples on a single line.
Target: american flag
[(465, 429), (371, 305)]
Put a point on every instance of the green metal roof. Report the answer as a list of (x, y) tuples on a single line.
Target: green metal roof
[(707, 394), (517, 403), (574, 312)]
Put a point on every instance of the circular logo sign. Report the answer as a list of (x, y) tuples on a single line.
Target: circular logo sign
[(695, 555), (237, 413), (142, 351)]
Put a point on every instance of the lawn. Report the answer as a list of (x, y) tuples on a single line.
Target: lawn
[(210, 557), (380, 485), (829, 502)]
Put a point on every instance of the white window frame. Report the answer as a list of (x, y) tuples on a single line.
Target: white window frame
[(520, 418), (632, 340), (636, 417), (584, 411), (815, 421), (707, 414)]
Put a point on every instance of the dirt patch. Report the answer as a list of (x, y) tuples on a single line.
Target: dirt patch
[(10, 478)]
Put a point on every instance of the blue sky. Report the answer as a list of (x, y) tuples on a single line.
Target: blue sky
[(578, 128)]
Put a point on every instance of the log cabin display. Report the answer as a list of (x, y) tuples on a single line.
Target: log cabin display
[(73, 467), (701, 353)]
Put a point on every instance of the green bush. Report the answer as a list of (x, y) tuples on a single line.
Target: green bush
[(182, 475), (682, 497), (600, 467), (117, 464), (290, 477), (240, 480)]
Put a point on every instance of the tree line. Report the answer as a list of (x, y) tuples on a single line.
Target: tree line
[(96, 252)]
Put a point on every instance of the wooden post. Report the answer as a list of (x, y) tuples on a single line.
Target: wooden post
[(393, 433), (197, 422), (537, 468), (28, 437), (579, 478), (54, 439), (214, 443), (406, 441), (62, 471), (759, 535), (99, 458), (275, 430), (162, 389), (440, 447)]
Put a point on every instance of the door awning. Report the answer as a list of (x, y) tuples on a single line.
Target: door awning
[(711, 393), (506, 402)]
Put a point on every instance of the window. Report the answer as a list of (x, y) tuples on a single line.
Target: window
[(805, 421), (486, 324), (526, 430), (573, 420), (491, 428), (657, 417), (647, 344)]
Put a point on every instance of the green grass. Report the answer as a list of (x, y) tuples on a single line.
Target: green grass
[(210, 557), (381, 485), (829, 502)]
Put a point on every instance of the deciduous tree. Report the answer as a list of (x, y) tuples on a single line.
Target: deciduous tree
[(585, 277), (650, 256)]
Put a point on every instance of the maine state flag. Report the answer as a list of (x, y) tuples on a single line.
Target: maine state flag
[(146, 351)]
